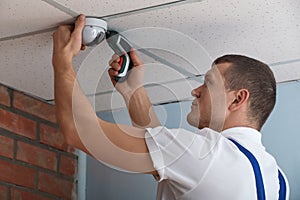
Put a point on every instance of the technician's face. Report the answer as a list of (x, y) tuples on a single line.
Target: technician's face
[(209, 106)]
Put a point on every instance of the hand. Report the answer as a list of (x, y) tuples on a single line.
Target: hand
[(67, 43), (134, 80)]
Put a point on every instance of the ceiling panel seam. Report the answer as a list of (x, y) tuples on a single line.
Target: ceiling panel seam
[(185, 99), (51, 29), (165, 62), (122, 14), (190, 77), (170, 102), (62, 8), (150, 8), (198, 78), (285, 62), (74, 14)]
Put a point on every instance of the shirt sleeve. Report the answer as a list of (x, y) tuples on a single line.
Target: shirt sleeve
[(166, 148)]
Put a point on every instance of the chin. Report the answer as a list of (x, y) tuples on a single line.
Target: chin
[(192, 120)]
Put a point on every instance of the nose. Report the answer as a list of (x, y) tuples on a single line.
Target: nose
[(196, 92)]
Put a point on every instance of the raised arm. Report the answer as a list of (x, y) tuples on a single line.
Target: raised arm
[(118, 145), (137, 101)]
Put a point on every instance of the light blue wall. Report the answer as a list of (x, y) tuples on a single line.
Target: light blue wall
[(280, 136)]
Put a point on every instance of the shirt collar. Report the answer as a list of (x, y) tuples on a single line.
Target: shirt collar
[(243, 134)]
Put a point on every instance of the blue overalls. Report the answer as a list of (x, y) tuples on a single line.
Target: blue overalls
[(258, 177)]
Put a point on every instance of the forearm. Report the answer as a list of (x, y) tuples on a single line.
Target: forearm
[(140, 109), (112, 143), (64, 83)]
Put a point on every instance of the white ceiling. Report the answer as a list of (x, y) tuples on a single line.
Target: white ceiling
[(189, 34)]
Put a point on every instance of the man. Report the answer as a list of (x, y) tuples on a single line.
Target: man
[(231, 106)]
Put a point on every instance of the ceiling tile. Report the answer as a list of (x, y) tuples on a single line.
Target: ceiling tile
[(26, 64), (19, 17), (266, 30)]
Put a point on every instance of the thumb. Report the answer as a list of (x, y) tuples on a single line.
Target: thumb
[(135, 58), (79, 25)]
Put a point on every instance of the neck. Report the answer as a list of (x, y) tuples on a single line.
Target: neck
[(240, 123)]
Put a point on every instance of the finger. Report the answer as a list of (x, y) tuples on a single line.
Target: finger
[(116, 66), (79, 25), (112, 72), (135, 58), (114, 58), (83, 47), (112, 79), (117, 60)]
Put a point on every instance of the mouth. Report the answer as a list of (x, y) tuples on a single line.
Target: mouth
[(194, 103)]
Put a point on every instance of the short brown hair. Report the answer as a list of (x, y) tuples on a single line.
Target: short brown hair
[(257, 78)]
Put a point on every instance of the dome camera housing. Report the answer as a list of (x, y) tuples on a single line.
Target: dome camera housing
[(94, 31)]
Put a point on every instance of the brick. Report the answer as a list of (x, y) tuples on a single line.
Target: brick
[(17, 124), (67, 165), (52, 137), (55, 185), (4, 96), (34, 106), (17, 194), (17, 174), (3, 192), (6, 147), (36, 156)]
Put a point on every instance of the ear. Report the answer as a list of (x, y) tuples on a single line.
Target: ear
[(241, 98)]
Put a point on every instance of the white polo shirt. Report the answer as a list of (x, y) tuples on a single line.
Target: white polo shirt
[(208, 166)]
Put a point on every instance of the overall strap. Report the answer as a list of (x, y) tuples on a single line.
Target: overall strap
[(282, 189), (258, 177)]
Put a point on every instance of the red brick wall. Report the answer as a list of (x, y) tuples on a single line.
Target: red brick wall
[(35, 161)]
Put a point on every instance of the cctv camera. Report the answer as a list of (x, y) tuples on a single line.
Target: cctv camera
[(94, 31)]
